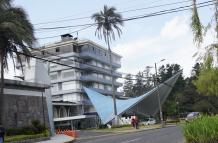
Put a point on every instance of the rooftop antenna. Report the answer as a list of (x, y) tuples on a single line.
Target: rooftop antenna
[(76, 36)]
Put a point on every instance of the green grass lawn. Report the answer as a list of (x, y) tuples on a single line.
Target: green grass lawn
[(25, 137), (125, 128)]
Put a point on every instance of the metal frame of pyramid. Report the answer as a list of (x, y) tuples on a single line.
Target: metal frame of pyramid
[(146, 103)]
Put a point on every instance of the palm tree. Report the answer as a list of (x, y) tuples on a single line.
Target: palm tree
[(16, 36), (107, 21)]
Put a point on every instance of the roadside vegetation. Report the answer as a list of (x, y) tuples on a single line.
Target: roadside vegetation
[(202, 130), (17, 138), (125, 128), (33, 131)]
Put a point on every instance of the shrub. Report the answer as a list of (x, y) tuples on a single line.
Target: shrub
[(14, 131), (202, 130), (27, 130), (18, 138), (35, 128)]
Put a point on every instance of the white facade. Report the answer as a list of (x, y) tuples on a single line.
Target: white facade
[(90, 67)]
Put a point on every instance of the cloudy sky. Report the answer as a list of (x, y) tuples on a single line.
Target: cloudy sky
[(143, 42)]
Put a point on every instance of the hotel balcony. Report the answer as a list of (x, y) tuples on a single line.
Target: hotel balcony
[(106, 92), (99, 69), (89, 54), (65, 79), (62, 92), (91, 78)]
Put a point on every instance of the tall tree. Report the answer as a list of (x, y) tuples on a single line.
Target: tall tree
[(107, 21), (138, 88), (167, 71), (128, 86), (190, 99), (211, 50), (207, 82), (149, 79), (16, 36)]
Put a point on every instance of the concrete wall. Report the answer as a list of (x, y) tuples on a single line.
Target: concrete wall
[(19, 111)]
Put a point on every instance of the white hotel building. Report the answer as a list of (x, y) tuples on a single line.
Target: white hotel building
[(89, 66)]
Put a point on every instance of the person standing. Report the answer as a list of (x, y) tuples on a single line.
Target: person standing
[(2, 134), (133, 121), (136, 122)]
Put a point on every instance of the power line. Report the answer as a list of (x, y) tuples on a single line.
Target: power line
[(69, 33), (147, 16), (76, 18), (61, 27), (130, 10), (163, 12), (69, 59), (58, 63), (174, 10), (156, 6), (132, 19), (64, 20)]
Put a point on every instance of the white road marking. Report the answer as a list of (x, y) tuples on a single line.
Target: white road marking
[(128, 141)]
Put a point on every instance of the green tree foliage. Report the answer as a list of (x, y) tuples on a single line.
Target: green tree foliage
[(128, 86), (107, 21), (148, 79), (207, 82), (138, 85), (184, 97), (138, 88), (191, 100), (16, 35), (165, 72)]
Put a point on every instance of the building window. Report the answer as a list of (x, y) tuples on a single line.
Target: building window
[(101, 86), (54, 88), (100, 76), (71, 85), (57, 50), (68, 73), (95, 85), (59, 86), (53, 76)]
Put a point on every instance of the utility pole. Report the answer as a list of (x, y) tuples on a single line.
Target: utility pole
[(158, 94)]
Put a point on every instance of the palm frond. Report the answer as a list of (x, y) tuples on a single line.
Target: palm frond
[(107, 21), (17, 33), (4, 4), (196, 25)]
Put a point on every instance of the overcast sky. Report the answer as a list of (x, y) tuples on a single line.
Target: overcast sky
[(143, 41)]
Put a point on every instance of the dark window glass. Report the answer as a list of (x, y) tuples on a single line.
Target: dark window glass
[(57, 50)]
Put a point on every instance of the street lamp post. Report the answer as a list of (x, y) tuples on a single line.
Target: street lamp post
[(177, 103), (158, 94)]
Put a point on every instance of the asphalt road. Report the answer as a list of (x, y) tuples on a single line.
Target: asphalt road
[(165, 135)]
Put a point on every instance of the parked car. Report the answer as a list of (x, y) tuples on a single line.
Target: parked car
[(192, 116), (149, 121)]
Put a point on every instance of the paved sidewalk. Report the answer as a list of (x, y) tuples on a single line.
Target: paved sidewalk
[(59, 139)]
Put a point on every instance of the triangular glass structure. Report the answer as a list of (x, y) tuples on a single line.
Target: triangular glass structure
[(147, 103)]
